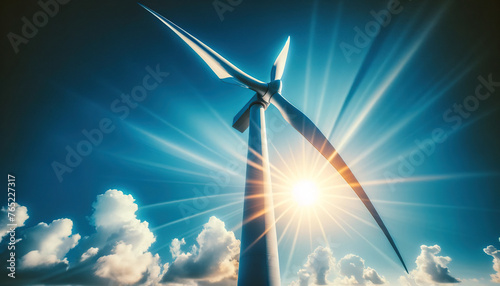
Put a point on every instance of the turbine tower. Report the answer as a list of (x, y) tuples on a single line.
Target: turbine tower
[(259, 264)]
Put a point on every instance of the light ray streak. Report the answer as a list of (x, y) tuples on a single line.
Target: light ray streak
[(262, 168), (447, 134), (312, 30), (321, 228), (374, 246), (384, 86), (413, 115), (220, 119), (178, 130), (282, 160), (353, 215), (292, 158), (428, 178), (232, 214), (335, 220), (393, 74), (195, 215), (294, 242), (288, 226), (258, 214), (182, 153), (159, 166), (389, 80), (420, 205), (310, 231), (268, 229), (329, 61), (186, 200)]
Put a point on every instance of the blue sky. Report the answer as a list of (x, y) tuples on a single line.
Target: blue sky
[(402, 105)]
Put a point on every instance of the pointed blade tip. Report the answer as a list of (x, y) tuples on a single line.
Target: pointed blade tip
[(279, 64)]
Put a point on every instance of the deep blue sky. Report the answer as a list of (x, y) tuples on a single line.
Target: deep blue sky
[(426, 60)]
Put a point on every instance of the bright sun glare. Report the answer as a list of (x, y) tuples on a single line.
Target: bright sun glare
[(305, 193)]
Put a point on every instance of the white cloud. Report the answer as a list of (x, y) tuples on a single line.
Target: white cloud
[(49, 243), (431, 268), (112, 209), (115, 219), (304, 277), (369, 274), (114, 216), (316, 269), (352, 271), (213, 260), (20, 216), (406, 281), (154, 272), (319, 264), (495, 253), (89, 253), (125, 265), (175, 247)]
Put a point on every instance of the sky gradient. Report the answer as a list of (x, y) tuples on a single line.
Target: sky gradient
[(406, 104)]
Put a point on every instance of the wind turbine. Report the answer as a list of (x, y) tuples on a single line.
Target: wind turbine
[(259, 264)]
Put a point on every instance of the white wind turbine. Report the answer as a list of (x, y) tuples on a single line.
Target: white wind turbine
[(258, 265)]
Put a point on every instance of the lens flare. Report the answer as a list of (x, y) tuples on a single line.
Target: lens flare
[(305, 193)]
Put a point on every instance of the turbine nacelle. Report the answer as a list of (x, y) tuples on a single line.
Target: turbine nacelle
[(272, 88), (242, 118)]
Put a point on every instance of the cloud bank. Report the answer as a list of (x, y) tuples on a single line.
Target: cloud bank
[(118, 253)]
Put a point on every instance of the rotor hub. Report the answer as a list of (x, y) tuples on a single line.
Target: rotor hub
[(272, 88)]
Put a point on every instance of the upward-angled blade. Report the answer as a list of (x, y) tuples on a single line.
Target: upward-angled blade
[(226, 71), (279, 64), (306, 127)]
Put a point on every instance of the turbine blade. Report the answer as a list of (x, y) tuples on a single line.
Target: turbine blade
[(279, 64), (224, 70), (310, 131)]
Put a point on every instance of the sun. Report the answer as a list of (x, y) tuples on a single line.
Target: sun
[(305, 193)]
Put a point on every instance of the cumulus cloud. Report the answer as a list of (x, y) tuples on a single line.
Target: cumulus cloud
[(115, 219), (48, 244), (352, 271), (175, 247), (125, 265), (495, 253), (214, 260), (317, 267), (304, 278), (89, 253), (431, 268), (369, 274), (319, 263), (20, 216)]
